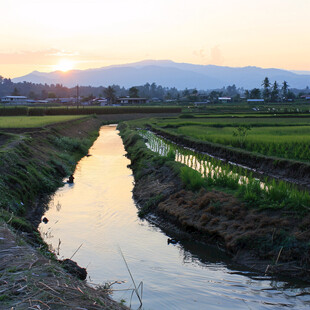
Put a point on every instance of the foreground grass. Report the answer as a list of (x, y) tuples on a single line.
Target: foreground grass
[(33, 121)]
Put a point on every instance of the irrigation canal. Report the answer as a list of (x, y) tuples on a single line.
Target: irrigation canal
[(98, 216)]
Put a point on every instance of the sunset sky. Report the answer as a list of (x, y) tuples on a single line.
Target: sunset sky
[(47, 35)]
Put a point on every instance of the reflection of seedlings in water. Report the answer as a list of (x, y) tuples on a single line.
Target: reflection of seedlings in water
[(220, 173), (58, 206)]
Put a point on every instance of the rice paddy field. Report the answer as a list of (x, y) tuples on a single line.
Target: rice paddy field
[(202, 170), (279, 136), (33, 121)]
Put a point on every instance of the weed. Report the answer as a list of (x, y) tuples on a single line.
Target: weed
[(171, 155), (192, 179), (241, 133)]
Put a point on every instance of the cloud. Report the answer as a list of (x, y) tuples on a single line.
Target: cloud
[(43, 57), (201, 54), (216, 56), (211, 56), (63, 53)]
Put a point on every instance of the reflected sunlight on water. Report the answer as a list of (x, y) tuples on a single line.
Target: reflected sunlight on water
[(98, 212)]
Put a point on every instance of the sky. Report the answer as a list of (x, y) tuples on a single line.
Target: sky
[(49, 35)]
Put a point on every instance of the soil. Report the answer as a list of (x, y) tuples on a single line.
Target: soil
[(271, 241)]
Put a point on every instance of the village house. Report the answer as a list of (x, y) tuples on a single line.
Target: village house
[(255, 100), (14, 100), (131, 101), (224, 99), (306, 97)]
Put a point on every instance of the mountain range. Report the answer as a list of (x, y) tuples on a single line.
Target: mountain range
[(170, 74)]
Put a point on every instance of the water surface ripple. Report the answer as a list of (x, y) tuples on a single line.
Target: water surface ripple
[(98, 212)]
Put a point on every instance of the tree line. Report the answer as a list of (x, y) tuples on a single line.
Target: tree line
[(43, 91), (268, 91), (271, 92)]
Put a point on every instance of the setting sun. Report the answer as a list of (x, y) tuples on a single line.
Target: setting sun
[(64, 65)]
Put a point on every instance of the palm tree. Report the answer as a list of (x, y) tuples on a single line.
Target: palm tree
[(275, 92), (285, 87), (266, 85), (109, 92)]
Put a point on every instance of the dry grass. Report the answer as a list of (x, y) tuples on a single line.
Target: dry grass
[(223, 217), (31, 281)]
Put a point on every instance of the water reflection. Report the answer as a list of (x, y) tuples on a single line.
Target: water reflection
[(98, 212), (206, 165)]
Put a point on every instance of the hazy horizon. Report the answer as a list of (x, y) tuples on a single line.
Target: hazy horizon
[(302, 72)]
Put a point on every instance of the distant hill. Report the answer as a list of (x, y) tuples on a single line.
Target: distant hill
[(170, 74)]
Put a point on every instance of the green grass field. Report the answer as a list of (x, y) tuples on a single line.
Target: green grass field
[(33, 121), (284, 137), (224, 121)]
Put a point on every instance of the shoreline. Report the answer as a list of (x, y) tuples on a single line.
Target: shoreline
[(34, 162), (31, 170), (273, 242)]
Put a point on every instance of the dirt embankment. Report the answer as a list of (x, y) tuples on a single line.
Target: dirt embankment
[(292, 171), (272, 241), (31, 278)]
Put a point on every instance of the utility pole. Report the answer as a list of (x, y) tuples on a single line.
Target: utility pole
[(77, 96)]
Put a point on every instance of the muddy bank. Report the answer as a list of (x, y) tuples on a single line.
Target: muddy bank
[(32, 167), (289, 170), (271, 241)]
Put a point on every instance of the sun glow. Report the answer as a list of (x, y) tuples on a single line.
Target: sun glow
[(64, 65)]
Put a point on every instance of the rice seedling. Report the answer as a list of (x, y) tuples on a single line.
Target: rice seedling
[(204, 170), (271, 136)]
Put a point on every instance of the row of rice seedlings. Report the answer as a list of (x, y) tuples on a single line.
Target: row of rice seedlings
[(296, 150), (216, 173), (290, 148)]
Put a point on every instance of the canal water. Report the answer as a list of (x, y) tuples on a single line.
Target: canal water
[(95, 221)]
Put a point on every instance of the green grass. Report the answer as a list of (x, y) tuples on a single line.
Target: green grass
[(296, 107), (281, 137), (224, 121), (33, 121), (191, 178), (286, 142)]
